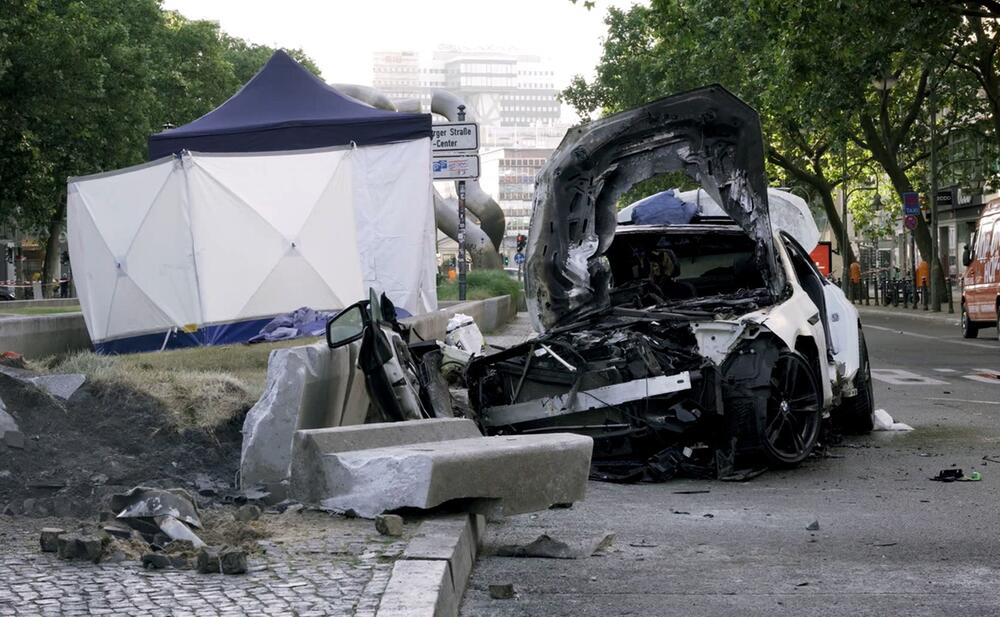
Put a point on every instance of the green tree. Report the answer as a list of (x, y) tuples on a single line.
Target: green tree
[(810, 68), (83, 83)]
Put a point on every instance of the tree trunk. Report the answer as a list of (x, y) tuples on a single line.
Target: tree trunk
[(50, 259), (818, 182), (901, 183), (836, 225)]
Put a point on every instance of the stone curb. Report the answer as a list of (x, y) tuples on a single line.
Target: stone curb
[(430, 578)]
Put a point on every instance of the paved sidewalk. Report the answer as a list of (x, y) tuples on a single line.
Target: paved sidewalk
[(314, 564), (898, 311)]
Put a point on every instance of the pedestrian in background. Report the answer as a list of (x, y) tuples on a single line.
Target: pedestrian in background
[(855, 280)]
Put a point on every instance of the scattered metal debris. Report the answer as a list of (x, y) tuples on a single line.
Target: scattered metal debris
[(544, 546)]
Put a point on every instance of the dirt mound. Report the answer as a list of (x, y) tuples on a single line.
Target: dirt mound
[(105, 439)]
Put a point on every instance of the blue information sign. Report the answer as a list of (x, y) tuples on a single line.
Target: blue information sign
[(911, 204)]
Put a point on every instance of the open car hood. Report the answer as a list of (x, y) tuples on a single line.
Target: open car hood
[(708, 133)]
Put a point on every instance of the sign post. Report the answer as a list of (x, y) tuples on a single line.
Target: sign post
[(461, 221), (460, 142)]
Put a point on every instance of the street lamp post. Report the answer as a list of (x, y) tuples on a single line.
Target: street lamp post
[(935, 258)]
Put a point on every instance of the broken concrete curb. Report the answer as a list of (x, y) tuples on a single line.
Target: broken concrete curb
[(430, 579)]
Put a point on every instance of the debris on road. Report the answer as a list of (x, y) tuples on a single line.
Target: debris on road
[(544, 546), (502, 592), (153, 511), (462, 333), (49, 539), (884, 422), (949, 475), (247, 512), (224, 560), (813, 526), (389, 525)]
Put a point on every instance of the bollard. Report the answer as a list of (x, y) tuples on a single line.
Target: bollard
[(926, 297)]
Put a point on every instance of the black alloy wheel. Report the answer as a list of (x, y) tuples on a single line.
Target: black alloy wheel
[(793, 416)]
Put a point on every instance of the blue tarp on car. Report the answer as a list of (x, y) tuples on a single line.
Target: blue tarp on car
[(286, 107)]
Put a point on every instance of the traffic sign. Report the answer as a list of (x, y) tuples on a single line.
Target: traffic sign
[(910, 221), (455, 137), (455, 167), (911, 204), (519, 258)]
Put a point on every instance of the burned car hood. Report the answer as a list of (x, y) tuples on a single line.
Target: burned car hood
[(708, 133)]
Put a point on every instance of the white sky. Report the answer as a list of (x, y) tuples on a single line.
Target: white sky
[(341, 36)]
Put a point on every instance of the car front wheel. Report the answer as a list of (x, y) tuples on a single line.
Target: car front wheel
[(969, 329), (793, 414)]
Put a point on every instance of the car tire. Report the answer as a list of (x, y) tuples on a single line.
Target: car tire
[(790, 418), (854, 416), (969, 328)]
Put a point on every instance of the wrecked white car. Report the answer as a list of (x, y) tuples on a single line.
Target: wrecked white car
[(693, 338)]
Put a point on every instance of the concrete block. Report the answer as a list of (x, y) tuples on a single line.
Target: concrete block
[(10, 435), (307, 387), (513, 474), (389, 525), (451, 539), (59, 386), (307, 477), (419, 589), (44, 335), (49, 539)]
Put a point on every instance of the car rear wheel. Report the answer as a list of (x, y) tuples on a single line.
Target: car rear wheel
[(969, 329), (855, 414), (793, 414)]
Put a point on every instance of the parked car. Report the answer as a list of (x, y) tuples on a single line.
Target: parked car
[(696, 338), (981, 281)]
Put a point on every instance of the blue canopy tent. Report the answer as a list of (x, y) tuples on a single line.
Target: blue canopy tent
[(285, 107)]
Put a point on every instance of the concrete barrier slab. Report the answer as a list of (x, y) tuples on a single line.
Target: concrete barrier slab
[(514, 474), (307, 479)]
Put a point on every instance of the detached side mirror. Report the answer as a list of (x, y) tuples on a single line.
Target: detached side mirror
[(966, 256), (346, 327)]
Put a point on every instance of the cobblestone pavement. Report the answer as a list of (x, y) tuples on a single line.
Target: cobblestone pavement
[(315, 564)]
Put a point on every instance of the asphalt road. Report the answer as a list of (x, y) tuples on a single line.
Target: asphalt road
[(890, 541)]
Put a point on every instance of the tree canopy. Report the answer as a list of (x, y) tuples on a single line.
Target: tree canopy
[(83, 83), (842, 87)]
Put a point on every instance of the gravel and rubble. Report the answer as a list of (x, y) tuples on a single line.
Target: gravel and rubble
[(302, 562), (102, 440)]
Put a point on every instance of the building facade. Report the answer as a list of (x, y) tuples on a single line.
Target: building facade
[(508, 175), (512, 95)]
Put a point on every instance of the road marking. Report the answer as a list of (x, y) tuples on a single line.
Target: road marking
[(934, 338), (961, 400), (985, 375), (945, 370), (899, 377)]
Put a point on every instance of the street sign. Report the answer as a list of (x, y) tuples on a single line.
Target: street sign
[(455, 136), (911, 204), (455, 167), (519, 258), (946, 198), (910, 221)]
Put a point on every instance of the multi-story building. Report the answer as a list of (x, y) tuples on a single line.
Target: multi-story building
[(508, 174), (512, 96)]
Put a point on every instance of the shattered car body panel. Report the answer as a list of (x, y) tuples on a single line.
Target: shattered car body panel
[(726, 307), (708, 133)]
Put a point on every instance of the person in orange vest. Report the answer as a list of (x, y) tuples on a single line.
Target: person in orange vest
[(855, 280), (923, 274)]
